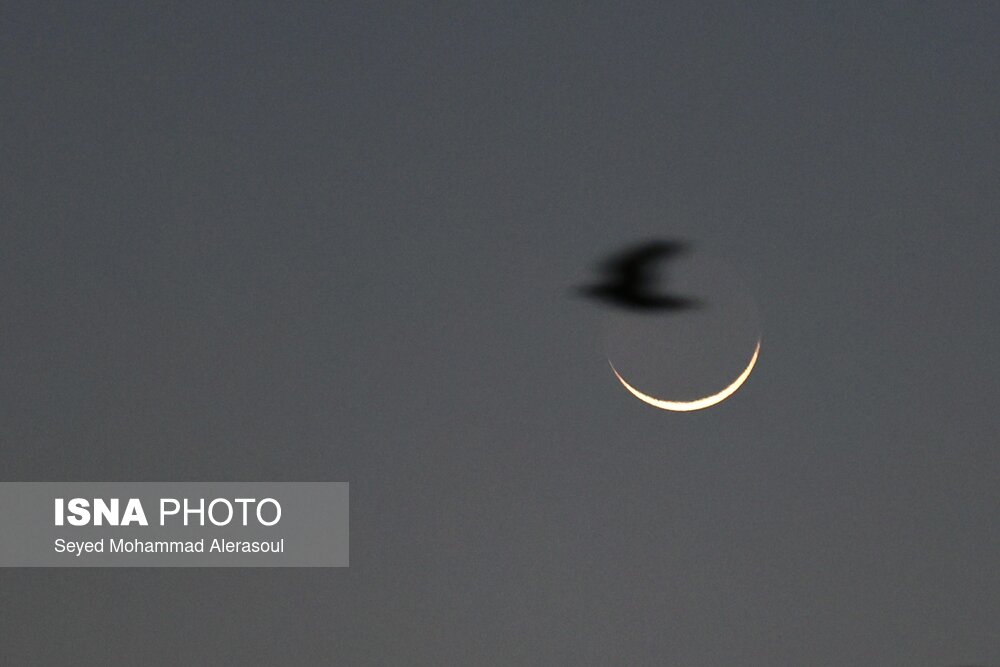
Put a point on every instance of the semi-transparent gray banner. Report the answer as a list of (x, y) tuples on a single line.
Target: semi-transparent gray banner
[(174, 524)]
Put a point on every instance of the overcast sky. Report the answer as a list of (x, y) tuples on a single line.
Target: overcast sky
[(277, 242)]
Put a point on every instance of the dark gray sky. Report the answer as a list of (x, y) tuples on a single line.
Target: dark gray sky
[(262, 242)]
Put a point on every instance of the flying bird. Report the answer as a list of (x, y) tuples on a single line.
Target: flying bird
[(631, 277)]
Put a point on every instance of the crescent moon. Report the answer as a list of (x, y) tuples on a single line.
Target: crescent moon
[(697, 404)]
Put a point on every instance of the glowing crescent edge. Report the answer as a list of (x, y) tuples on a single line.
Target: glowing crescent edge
[(698, 404)]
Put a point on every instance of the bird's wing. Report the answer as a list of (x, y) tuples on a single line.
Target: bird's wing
[(635, 265)]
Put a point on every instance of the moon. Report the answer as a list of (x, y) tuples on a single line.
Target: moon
[(699, 403)]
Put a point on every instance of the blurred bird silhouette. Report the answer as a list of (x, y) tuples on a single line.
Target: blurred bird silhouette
[(631, 277)]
